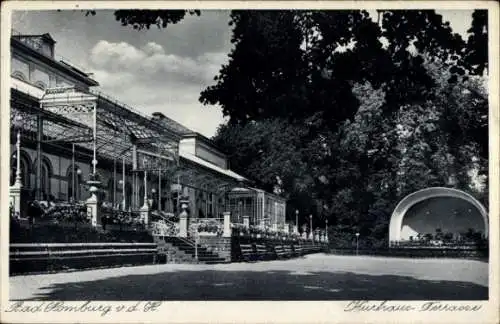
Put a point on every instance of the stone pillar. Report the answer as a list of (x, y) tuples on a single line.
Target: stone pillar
[(183, 218), (227, 224), (286, 228), (295, 229), (15, 198), (15, 190), (145, 214), (92, 207), (246, 221)]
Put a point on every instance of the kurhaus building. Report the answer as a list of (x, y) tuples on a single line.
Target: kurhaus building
[(67, 132)]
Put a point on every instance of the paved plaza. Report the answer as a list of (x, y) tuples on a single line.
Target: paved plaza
[(314, 277)]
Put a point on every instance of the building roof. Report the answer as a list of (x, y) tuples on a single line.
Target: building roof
[(203, 138), (62, 65), (170, 123), (213, 167), (45, 36)]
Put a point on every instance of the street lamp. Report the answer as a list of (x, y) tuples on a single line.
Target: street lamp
[(326, 230), (311, 227), (240, 211), (297, 219), (357, 241), (78, 173), (18, 120), (122, 183), (145, 182), (153, 192)]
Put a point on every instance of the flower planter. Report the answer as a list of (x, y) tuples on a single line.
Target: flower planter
[(207, 234)]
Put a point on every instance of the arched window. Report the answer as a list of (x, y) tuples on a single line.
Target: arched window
[(141, 196), (74, 179), (20, 76), (112, 197), (128, 194), (41, 85), (45, 178)]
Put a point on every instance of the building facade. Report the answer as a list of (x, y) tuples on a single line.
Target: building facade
[(64, 132)]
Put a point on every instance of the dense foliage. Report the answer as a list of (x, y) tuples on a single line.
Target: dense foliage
[(344, 114)]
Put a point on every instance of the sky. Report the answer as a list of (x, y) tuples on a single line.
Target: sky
[(154, 70)]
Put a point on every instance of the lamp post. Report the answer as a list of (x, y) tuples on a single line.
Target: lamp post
[(311, 227), (121, 184), (153, 192), (18, 124), (357, 241), (240, 211), (326, 230), (145, 183), (297, 219), (75, 189)]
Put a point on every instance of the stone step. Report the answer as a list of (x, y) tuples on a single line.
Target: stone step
[(185, 253)]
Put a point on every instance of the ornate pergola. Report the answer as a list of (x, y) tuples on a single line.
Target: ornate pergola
[(112, 133)]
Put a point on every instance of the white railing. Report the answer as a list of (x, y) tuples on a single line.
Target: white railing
[(206, 226), (164, 227)]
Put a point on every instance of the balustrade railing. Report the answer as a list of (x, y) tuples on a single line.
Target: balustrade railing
[(206, 226), (122, 218), (58, 213), (164, 227)]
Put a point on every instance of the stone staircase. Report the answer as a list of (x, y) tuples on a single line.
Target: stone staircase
[(183, 251)]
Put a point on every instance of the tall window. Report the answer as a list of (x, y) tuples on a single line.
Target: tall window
[(45, 179), (128, 194), (45, 176), (211, 204), (111, 192), (141, 197), (74, 184)]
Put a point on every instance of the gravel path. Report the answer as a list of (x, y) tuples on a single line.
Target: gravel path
[(314, 277)]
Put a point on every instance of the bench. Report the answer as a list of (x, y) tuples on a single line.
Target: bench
[(280, 251), (297, 250), (261, 252), (246, 252), (288, 250)]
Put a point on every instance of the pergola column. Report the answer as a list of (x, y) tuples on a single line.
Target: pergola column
[(227, 224), (38, 178), (15, 190), (124, 199), (145, 206)]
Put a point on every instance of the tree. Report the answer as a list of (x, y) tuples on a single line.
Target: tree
[(144, 19), (345, 116), (476, 53), (265, 74)]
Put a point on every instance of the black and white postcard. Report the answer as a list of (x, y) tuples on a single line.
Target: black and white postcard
[(267, 162)]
